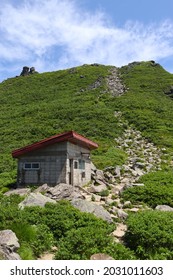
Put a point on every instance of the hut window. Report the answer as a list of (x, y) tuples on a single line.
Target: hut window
[(31, 166), (81, 164), (75, 165)]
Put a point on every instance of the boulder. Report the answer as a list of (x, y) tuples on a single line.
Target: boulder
[(101, 256), (43, 188), (25, 71), (9, 239), (98, 189), (35, 199), (64, 191), (122, 214), (91, 207), (164, 208), (8, 245), (120, 231)]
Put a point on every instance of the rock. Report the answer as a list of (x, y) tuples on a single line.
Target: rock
[(134, 209), (43, 188), (8, 245), (100, 175), (25, 71), (117, 171), (122, 214), (9, 239), (127, 204), (91, 207), (138, 185), (120, 231), (32, 70), (6, 254), (64, 191), (101, 256), (96, 197), (28, 71), (97, 189), (19, 191), (164, 208), (35, 199)]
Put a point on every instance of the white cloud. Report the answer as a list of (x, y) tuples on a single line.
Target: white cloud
[(57, 34)]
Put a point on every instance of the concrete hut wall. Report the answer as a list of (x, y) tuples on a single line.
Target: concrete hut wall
[(58, 164), (52, 160), (75, 153)]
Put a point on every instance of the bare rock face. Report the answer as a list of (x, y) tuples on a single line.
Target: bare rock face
[(8, 245), (35, 199)]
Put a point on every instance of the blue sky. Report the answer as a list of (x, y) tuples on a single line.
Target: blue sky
[(58, 34)]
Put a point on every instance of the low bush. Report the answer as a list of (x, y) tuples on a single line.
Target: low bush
[(81, 243), (158, 189), (149, 234)]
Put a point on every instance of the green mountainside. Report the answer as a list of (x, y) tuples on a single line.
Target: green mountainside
[(38, 106), (128, 111)]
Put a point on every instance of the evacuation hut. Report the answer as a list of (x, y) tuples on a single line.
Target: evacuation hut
[(63, 158)]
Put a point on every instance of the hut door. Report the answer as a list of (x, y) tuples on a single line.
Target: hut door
[(71, 174)]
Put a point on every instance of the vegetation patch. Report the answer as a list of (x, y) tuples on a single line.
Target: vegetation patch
[(157, 189), (149, 234)]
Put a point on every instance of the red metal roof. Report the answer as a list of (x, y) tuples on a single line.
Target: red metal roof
[(70, 136)]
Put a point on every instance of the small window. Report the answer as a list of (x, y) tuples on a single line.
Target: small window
[(32, 166), (27, 166), (81, 164), (75, 165), (35, 166)]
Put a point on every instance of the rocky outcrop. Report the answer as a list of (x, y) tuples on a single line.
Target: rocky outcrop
[(28, 71), (35, 199), (91, 207), (8, 245)]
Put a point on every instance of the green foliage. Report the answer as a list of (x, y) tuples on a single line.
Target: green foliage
[(145, 105), (26, 252), (150, 234), (108, 156), (158, 189), (81, 243), (61, 218)]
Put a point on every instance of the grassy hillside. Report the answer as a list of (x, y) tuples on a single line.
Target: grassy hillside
[(41, 105), (146, 104)]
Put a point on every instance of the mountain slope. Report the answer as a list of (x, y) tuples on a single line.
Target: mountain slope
[(83, 99)]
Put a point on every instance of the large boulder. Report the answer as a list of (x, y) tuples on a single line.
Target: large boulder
[(91, 207), (164, 208), (64, 191), (35, 199), (8, 245)]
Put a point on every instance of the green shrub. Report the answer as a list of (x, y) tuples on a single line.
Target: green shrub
[(81, 243), (158, 189), (26, 252), (149, 234)]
